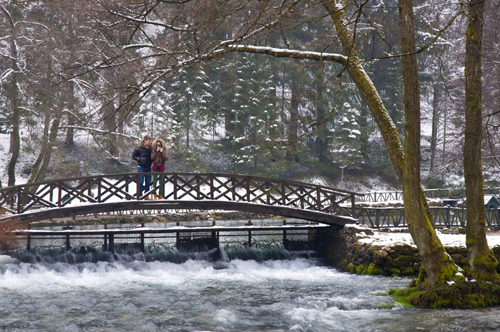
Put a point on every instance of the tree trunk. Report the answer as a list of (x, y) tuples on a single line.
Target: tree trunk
[(291, 150), (435, 118), (71, 119), (441, 267), (14, 98), (481, 261), (438, 265), (39, 169)]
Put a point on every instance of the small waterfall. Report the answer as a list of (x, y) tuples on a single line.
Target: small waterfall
[(162, 253)]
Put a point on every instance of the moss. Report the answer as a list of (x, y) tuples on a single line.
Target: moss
[(408, 272), (460, 294), (394, 271), (374, 270), (387, 306)]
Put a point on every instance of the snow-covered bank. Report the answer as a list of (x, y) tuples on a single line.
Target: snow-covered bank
[(383, 238)]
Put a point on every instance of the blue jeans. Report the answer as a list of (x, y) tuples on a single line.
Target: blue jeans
[(142, 178)]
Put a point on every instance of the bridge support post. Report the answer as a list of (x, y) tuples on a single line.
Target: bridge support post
[(249, 238), (28, 240), (112, 243), (105, 247), (284, 239), (68, 246), (142, 239)]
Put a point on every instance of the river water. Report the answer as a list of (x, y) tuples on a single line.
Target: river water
[(131, 294), (264, 288)]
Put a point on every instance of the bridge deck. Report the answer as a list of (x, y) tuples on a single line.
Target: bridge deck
[(162, 206)]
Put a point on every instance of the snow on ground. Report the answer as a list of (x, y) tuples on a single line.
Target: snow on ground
[(24, 160), (401, 236)]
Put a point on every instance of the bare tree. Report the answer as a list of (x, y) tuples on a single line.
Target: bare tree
[(481, 260)]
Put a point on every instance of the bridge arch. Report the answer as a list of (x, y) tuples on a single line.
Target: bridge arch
[(119, 193)]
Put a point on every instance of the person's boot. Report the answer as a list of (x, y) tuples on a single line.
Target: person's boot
[(161, 197), (147, 198), (155, 197)]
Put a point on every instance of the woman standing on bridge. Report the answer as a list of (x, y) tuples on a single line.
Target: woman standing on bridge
[(159, 157)]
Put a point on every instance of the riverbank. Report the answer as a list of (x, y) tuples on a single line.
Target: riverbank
[(391, 252)]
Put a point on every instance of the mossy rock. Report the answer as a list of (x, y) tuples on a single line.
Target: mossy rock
[(459, 259), (374, 270), (408, 272), (405, 249), (460, 294), (403, 261), (394, 271)]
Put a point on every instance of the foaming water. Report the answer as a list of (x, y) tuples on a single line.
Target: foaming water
[(298, 294)]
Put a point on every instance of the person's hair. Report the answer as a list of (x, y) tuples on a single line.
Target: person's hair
[(147, 137)]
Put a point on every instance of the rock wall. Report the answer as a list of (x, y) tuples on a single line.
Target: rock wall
[(340, 247)]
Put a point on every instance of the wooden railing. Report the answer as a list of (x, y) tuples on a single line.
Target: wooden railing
[(83, 192)]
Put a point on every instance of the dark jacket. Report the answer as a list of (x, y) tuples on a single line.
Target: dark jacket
[(142, 155), (157, 157)]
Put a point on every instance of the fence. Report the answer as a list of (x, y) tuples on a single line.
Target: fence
[(383, 196), (441, 217)]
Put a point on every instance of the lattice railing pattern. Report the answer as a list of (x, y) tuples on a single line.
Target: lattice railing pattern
[(178, 186)]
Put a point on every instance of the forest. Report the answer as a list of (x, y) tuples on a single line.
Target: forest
[(282, 88), (91, 78)]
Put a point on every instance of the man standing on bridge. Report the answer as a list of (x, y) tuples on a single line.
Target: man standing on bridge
[(142, 154)]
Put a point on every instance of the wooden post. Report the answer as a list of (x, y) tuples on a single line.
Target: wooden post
[(142, 239), (353, 206), (284, 239), (99, 190), (28, 240), (59, 194), (68, 247), (448, 215), (105, 238), (248, 188), (211, 186), (175, 186), (283, 195), (177, 236), (19, 200), (249, 238), (138, 186), (112, 242), (318, 197)]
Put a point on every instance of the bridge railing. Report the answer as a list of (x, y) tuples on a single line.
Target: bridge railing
[(441, 217), (178, 186)]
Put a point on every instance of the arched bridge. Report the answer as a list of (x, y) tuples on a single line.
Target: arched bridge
[(119, 193)]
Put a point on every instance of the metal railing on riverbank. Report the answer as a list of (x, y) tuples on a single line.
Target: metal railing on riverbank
[(384, 196), (441, 217)]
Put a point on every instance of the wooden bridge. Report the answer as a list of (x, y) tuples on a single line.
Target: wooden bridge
[(119, 194)]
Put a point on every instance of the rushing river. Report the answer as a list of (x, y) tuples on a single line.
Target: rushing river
[(131, 293)]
